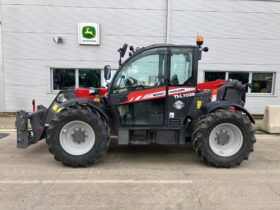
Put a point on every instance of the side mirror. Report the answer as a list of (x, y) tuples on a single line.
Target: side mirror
[(107, 72)]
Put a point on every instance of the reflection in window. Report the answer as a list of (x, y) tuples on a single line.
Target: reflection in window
[(212, 76), (241, 76), (68, 79), (63, 79), (89, 78), (262, 82), (142, 72)]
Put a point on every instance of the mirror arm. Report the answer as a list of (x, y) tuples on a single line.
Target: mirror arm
[(120, 61)]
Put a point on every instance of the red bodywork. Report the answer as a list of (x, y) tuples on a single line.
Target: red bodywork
[(154, 93), (210, 85), (85, 93)]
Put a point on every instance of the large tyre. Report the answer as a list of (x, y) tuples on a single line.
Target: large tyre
[(223, 138), (78, 137)]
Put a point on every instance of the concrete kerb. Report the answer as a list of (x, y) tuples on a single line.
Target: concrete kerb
[(271, 121)]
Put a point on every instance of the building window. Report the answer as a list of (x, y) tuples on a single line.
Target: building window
[(261, 82), (212, 76), (69, 79), (89, 78), (241, 76), (63, 79)]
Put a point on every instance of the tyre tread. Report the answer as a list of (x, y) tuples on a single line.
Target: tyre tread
[(200, 129)]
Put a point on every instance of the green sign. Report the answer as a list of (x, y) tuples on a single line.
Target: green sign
[(88, 32)]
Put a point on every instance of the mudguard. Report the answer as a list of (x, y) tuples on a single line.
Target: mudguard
[(210, 107), (83, 101)]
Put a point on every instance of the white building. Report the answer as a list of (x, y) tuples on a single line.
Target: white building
[(243, 38)]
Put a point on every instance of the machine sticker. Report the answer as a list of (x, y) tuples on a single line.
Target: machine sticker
[(186, 95), (55, 108), (198, 104), (171, 115), (159, 92), (178, 105)]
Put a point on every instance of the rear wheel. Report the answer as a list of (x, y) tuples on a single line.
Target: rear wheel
[(223, 138), (78, 137)]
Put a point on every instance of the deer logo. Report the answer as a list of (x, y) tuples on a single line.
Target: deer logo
[(89, 32)]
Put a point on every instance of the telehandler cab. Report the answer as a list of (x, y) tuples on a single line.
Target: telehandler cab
[(153, 98)]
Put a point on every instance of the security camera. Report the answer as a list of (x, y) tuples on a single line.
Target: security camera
[(58, 39)]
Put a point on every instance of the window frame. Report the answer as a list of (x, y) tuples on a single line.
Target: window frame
[(51, 69), (249, 93)]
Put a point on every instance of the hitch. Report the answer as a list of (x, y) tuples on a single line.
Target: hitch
[(31, 126), (24, 135)]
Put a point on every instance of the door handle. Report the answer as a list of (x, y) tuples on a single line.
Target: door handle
[(123, 99)]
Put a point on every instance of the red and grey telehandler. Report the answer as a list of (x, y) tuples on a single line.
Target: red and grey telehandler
[(153, 98)]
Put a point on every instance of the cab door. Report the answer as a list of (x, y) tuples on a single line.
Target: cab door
[(182, 85), (138, 93)]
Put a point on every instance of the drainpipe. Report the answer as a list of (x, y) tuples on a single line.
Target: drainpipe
[(2, 81), (168, 19)]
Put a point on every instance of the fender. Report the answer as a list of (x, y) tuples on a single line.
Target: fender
[(83, 101), (225, 104)]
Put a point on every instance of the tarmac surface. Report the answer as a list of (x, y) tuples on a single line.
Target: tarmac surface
[(139, 177)]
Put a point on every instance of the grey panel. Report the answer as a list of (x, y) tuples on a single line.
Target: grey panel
[(256, 104), (258, 6), (72, 3), (37, 72), (42, 46), (241, 6), (225, 25), (139, 4), (188, 5), (20, 97), (65, 20), (237, 51)]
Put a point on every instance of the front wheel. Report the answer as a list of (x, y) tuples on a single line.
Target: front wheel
[(78, 137), (223, 138)]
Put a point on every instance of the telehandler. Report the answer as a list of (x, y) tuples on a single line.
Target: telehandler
[(153, 98)]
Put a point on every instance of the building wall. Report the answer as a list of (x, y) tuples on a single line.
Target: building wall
[(241, 36)]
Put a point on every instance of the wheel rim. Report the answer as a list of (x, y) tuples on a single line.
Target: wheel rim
[(226, 139), (77, 137)]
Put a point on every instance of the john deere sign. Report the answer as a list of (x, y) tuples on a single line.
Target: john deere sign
[(88, 33)]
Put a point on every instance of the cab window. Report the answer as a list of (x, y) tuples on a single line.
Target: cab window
[(181, 67), (142, 72)]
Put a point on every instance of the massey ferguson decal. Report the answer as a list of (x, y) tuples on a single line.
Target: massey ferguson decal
[(179, 105), (157, 93)]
